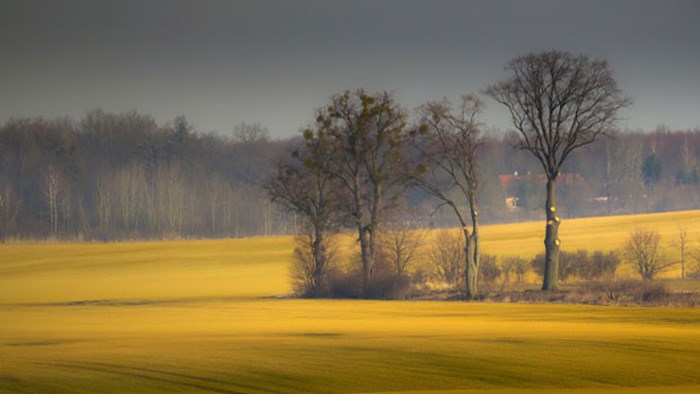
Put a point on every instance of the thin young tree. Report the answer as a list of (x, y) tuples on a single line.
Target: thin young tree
[(558, 103), (53, 188), (682, 246), (445, 144), (367, 134), (400, 245)]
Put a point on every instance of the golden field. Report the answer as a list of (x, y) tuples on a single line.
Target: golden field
[(208, 316)]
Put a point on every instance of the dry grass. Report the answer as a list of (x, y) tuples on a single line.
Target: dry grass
[(258, 345), (144, 270), (204, 316)]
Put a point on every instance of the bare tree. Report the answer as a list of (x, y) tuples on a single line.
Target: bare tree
[(622, 180), (447, 255), (10, 208), (251, 157), (600, 266), (367, 133), (216, 189), (489, 270), (65, 209), (642, 250), (681, 245), (311, 265), (399, 245), (172, 185), (53, 189), (306, 186), (516, 265), (694, 269), (130, 188), (558, 103), (249, 133), (446, 143)]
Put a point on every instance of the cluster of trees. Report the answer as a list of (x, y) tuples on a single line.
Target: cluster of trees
[(416, 263), (580, 264), (364, 165), (111, 176), (50, 169), (362, 150), (643, 250)]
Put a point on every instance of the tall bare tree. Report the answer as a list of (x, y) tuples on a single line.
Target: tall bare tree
[(558, 102), (130, 190), (9, 208), (52, 189), (216, 189), (306, 186), (367, 132), (622, 179), (446, 143)]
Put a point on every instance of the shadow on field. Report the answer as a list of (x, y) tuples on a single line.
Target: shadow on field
[(136, 303), (179, 381), (38, 343), (99, 303)]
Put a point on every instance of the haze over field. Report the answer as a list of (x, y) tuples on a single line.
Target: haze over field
[(224, 62), (106, 105), (223, 196)]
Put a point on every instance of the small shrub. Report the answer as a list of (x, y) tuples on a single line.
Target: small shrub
[(625, 292), (447, 257), (308, 273), (489, 271), (600, 266), (514, 265), (642, 251), (383, 284), (652, 292), (344, 284), (399, 246), (570, 263), (420, 276), (389, 286), (387, 282), (694, 271)]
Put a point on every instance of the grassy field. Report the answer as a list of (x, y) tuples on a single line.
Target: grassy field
[(207, 316)]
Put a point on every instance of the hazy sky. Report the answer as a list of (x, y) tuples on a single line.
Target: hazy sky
[(224, 62)]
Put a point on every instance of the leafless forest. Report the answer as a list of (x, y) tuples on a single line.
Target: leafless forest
[(113, 176)]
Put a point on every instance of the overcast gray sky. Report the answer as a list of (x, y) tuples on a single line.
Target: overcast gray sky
[(224, 62)]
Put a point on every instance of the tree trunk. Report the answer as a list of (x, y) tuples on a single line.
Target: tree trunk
[(471, 268), (365, 255), (319, 256), (472, 252), (683, 267), (551, 240)]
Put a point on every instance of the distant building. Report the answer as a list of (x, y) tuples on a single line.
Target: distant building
[(510, 183)]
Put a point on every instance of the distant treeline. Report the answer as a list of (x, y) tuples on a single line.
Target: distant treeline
[(116, 176), (124, 176)]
